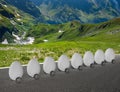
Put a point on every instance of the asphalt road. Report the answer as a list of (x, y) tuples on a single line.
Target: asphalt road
[(98, 79)]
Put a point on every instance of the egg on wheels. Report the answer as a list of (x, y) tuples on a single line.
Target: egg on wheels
[(99, 57), (49, 66), (77, 61), (16, 72), (63, 63), (33, 68), (88, 59), (110, 55)]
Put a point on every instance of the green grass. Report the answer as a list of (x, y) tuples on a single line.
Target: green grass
[(75, 31), (23, 53)]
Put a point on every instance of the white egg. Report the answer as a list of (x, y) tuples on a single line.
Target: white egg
[(109, 55), (88, 58), (63, 63), (49, 65), (76, 60), (33, 68), (15, 70), (99, 56)]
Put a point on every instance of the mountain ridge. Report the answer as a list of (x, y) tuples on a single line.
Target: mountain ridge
[(87, 11), (75, 31), (26, 6), (12, 20), (62, 20), (57, 12)]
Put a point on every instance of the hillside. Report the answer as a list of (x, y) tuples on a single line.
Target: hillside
[(63, 11), (58, 26), (71, 19), (26, 6), (13, 20), (75, 31), (85, 11)]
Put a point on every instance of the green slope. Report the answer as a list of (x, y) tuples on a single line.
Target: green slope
[(24, 53), (75, 37), (13, 20), (75, 31)]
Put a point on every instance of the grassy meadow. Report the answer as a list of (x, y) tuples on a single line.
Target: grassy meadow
[(23, 53), (74, 37)]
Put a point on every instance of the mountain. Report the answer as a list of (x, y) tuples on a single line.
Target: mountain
[(62, 11), (85, 11), (75, 31), (70, 19), (26, 6), (13, 20)]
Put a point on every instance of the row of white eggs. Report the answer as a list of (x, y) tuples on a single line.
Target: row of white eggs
[(63, 63)]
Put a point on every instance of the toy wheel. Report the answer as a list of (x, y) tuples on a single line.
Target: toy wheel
[(103, 63), (67, 70), (79, 68), (52, 73), (113, 61), (18, 80), (92, 66), (36, 76)]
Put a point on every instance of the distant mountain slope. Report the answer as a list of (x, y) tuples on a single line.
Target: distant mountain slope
[(62, 11), (12, 20), (19, 16), (26, 6), (75, 31), (85, 11)]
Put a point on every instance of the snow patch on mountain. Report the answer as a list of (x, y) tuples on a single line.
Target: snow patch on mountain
[(21, 39)]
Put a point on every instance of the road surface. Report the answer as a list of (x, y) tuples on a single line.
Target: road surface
[(98, 79)]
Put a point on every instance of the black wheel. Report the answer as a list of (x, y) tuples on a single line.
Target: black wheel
[(18, 80), (92, 66), (67, 70), (52, 73), (103, 63), (79, 68), (84, 65), (113, 61), (95, 63), (36, 76)]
